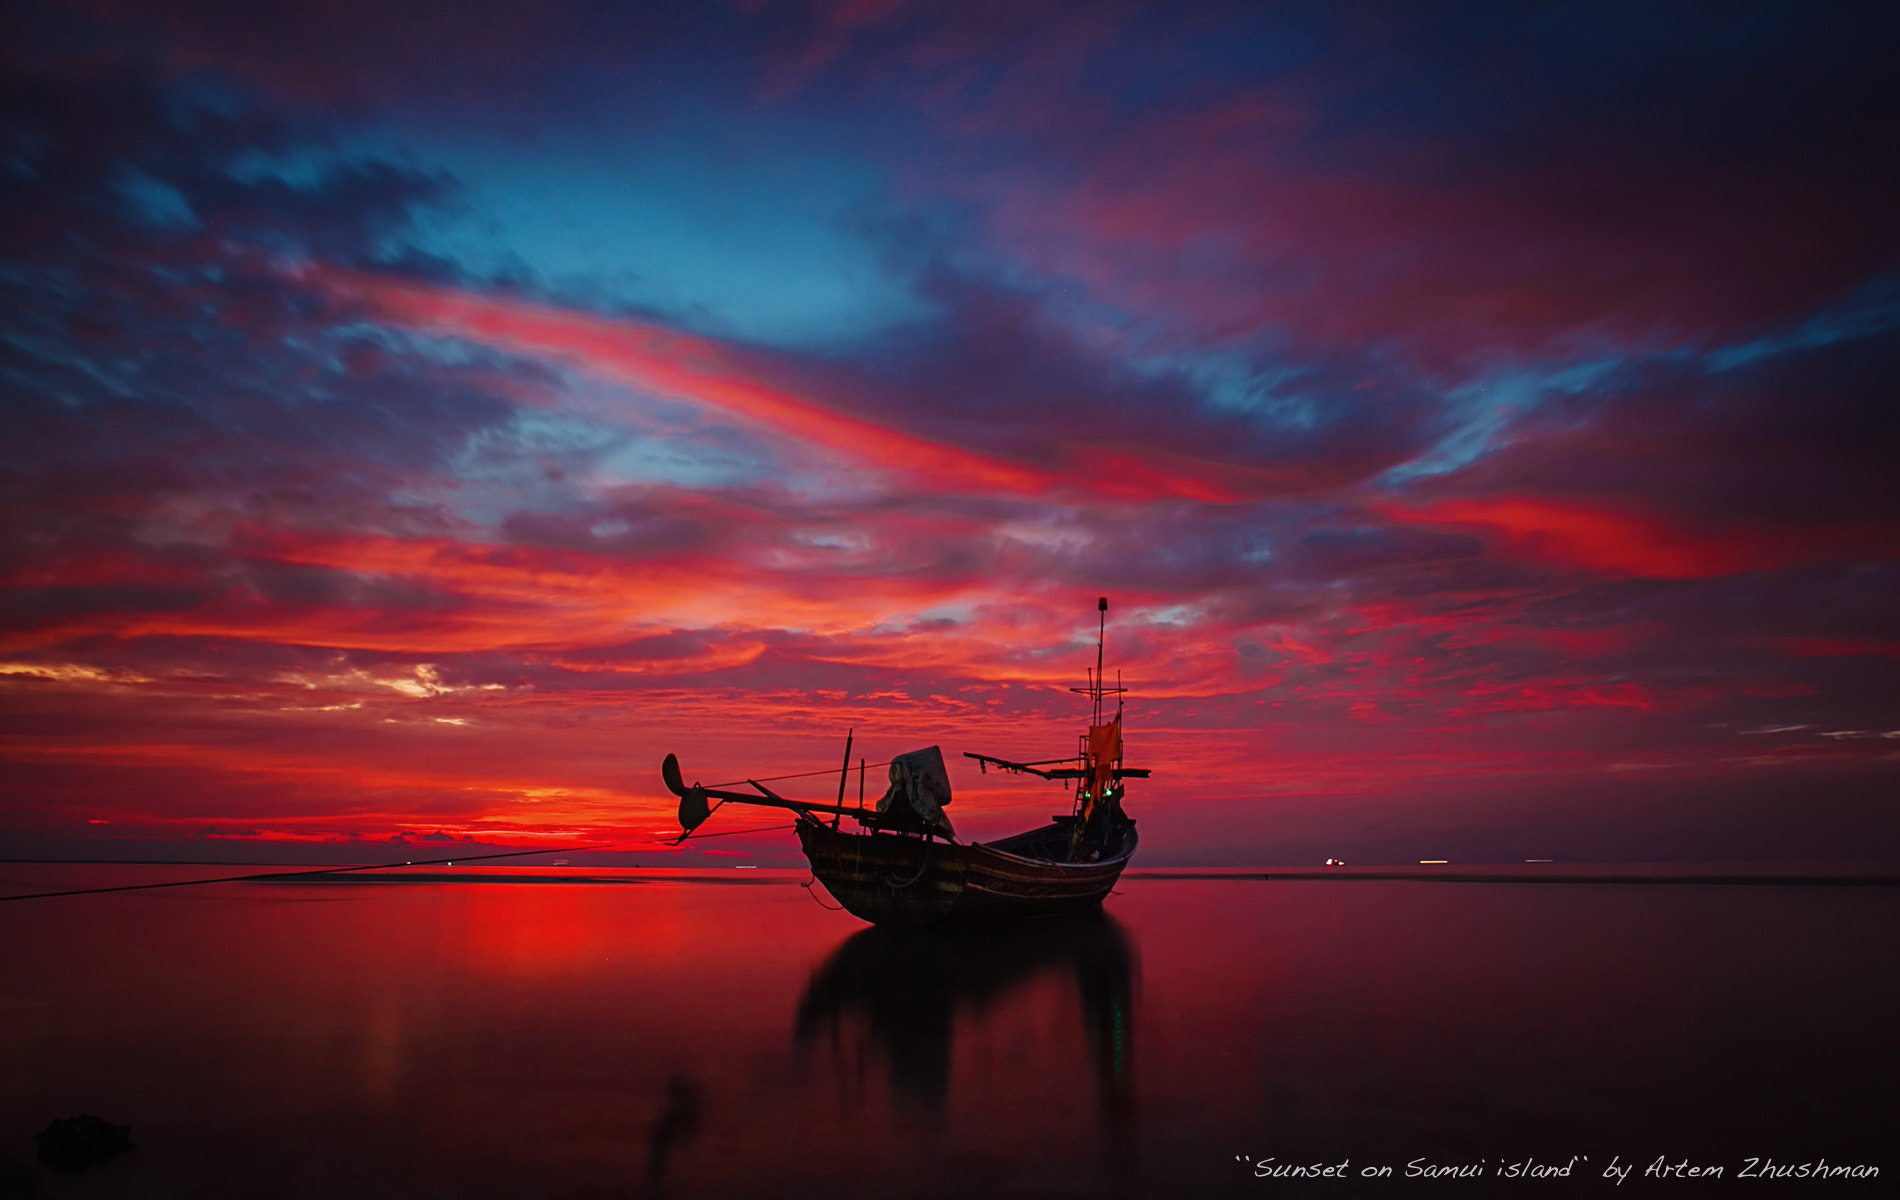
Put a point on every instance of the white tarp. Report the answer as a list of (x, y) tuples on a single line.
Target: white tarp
[(919, 781)]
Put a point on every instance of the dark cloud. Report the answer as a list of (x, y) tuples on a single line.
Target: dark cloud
[(153, 358), (1458, 182), (119, 159), (489, 57), (1800, 438), (994, 372)]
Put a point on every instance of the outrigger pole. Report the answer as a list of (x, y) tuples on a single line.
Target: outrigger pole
[(694, 810), (1035, 768), (844, 774)]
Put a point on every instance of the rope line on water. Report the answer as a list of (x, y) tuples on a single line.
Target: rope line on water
[(276, 876), (435, 862)]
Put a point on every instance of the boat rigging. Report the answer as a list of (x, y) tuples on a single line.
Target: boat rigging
[(906, 866)]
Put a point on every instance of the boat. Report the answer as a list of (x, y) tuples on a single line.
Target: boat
[(904, 865)]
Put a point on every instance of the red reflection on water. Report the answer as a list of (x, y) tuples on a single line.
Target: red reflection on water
[(322, 1039)]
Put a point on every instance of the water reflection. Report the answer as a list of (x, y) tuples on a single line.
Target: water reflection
[(903, 992), (676, 1126), (502, 1041)]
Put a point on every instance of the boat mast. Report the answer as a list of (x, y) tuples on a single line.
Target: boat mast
[(1095, 776), (844, 776), (1097, 688), (1101, 638)]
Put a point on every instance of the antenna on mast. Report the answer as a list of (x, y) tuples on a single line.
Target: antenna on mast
[(1098, 686), (1101, 637)]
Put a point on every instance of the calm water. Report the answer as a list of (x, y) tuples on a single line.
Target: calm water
[(680, 1038)]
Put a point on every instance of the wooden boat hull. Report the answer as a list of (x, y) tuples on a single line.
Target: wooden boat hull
[(898, 879)]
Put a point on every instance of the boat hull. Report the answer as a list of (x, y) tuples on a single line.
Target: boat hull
[(896, 879)]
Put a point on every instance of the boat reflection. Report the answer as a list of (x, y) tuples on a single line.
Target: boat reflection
[(676, 1127), (907, 989)]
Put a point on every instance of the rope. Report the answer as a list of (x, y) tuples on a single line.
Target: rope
[(274, 876), (930, 849), (776, 778), (807, 885), (433, 862), (722, 833)]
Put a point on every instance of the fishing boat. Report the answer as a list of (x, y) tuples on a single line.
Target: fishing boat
[(904, 865)]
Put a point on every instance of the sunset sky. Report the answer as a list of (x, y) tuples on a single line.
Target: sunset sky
[(422, 417)]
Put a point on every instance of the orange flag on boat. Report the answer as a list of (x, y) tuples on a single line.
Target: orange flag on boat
[(1105, 750)]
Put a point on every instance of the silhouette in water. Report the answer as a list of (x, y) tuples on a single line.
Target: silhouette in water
[(908, 986), (676, 1125), (75, 1143)]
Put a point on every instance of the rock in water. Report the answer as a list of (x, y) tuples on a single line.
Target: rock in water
[(75, 1143)]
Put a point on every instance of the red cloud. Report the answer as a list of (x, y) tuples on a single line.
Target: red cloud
[(703, 371), (680, 366), (1601, 539)]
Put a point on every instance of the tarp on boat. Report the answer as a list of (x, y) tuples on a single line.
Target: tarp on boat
[(921, 786), (1105, 751)]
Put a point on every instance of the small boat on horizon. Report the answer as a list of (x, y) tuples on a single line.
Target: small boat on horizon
[(907, 866)]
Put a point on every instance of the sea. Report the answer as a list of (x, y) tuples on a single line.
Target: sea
[(572, 1032)]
